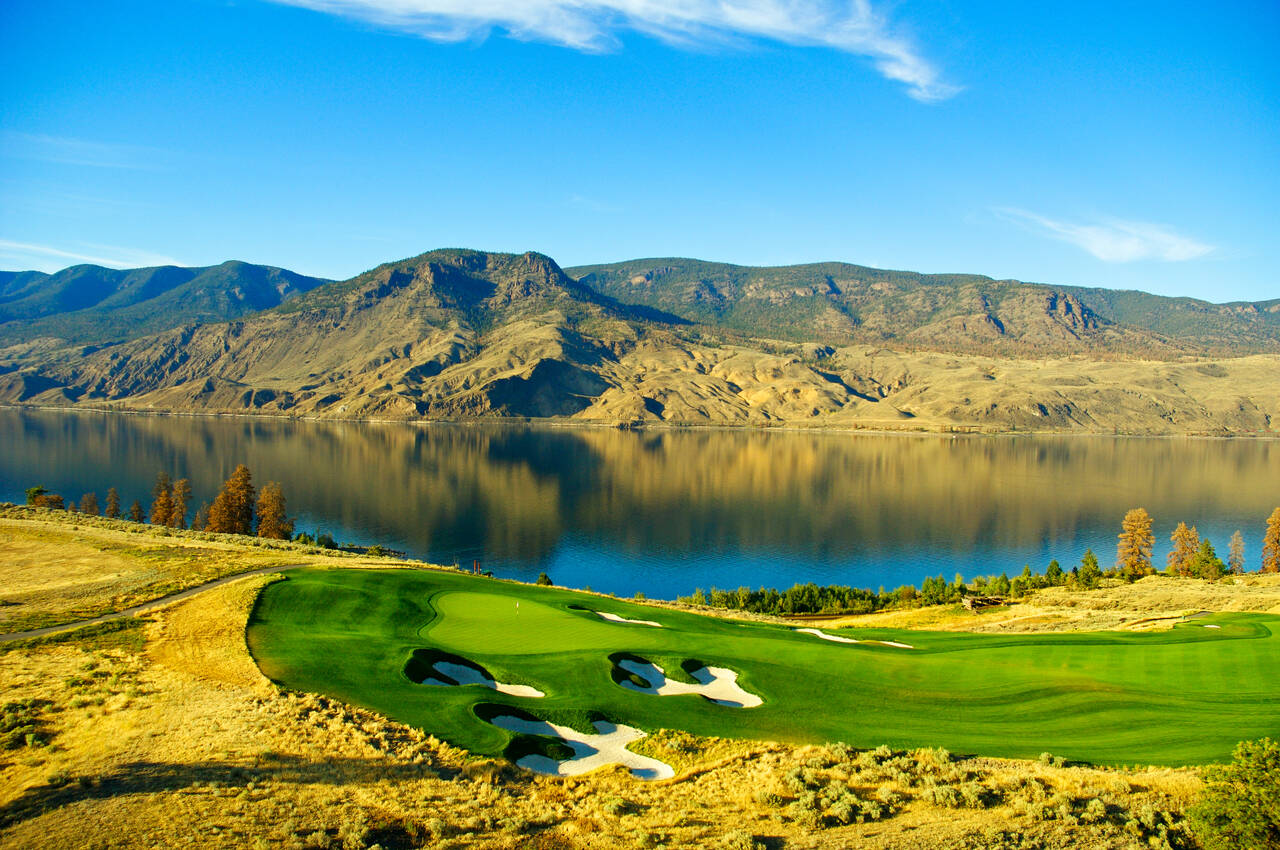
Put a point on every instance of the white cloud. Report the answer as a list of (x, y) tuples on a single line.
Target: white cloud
[(68, 151), (49, 259), (1114, 240), (851, 26)]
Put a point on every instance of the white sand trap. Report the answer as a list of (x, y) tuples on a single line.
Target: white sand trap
[(614, 618), (589, 751), (825, 636), (838, 639), (1213, 627), (464, 675), (718, 684)]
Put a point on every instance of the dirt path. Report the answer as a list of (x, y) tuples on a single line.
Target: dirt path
[(145, 606)]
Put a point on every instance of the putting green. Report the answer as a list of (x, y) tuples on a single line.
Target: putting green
[(1183, 696)]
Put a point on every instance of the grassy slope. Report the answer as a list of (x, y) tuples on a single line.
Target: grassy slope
[(1183, 696)]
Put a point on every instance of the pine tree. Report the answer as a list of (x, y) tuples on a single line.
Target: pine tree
[(178, 510), (1235, 556), (1185, 543), (89, 504), (135, 512), (113, 503), (161, 500), (1090, 572), (1271, 544), (201, 520), (272, 519), (232, 510), (1133, 553), (1207, 564)]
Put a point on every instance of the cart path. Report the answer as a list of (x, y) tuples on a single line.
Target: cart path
[(158, 602)]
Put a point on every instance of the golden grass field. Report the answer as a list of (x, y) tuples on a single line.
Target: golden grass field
[(165, 734)]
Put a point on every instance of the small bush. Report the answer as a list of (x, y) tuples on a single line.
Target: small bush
[(1240, 803)]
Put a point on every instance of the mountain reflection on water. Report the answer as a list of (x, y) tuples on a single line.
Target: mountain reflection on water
[(665, 511)]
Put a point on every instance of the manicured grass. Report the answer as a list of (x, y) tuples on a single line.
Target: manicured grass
[(1183, 696)]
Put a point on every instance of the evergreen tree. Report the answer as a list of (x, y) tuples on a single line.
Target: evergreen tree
[(544, 579), (1207, 564), (272, 519), (1054, 573), (1235, 556), (34, 494), (232, 510), (1186, 541), (1133, 553), (89, 504), (178, 509), (135, 511), (201, 520), (1271, 544), (161, 500), (113, 503), (1238, 807), (1090, 573)]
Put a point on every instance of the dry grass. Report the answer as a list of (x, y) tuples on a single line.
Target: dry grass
[(57, 567), (184, 743), (1154, 602)]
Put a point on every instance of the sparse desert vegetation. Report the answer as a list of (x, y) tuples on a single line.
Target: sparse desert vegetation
[(165, 732)]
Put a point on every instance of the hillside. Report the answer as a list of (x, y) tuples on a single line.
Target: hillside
[(460, 334), (89, 305), (842, 304)]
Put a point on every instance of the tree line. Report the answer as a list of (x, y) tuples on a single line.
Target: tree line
[(238, 508), (1191, 556)]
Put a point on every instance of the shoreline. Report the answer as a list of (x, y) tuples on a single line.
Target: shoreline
[(951, 432)]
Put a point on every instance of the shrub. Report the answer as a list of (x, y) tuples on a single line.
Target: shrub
[(1240, 803)]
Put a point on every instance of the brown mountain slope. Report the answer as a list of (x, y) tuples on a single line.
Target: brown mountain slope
[(459, 334)]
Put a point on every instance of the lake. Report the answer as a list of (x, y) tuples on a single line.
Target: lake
[(665, 511)]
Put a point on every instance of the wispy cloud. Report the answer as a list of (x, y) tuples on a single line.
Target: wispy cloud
[(1114, 240), (47, 258), (69, 151), (851, 26)]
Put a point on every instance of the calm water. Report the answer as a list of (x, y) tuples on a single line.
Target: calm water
[(664, 512)]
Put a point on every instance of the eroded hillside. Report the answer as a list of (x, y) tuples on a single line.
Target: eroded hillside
[(461, 334)]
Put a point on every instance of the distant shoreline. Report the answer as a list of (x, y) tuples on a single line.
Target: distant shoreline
[(548, 422)]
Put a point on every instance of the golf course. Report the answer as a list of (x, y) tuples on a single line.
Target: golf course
[(475, 661)]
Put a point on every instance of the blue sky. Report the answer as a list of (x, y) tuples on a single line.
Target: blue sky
[(1127, 145)]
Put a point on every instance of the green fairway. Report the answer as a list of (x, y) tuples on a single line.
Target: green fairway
[(1184, 696)]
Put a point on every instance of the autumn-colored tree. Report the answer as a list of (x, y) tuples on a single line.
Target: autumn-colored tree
[(1133, 553), (135, 512), (179, 498), (1271, 544), (161, 500), (1207, 564), (89, 504), (1186, 541), (39, 497), (273, 522), (232, 510), (1235, 553), (113, 503), (201, 520)]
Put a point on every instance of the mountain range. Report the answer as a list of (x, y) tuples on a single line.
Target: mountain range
[(457, 334)]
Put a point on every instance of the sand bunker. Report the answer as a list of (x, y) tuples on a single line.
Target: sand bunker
[(718, 684), (609, 746), (838, 639), (614, 618), (826, 636), (461, 674), (1213, 627)]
